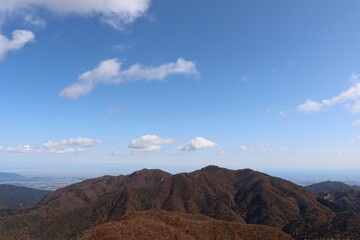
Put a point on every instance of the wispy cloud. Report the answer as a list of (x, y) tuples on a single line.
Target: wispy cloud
[(350, 96), (356, 123), (73, 142), (41, 150), (19, 39), (35, 21), (122, 47), (258, 148), (261, 148), (221, 152), (113, 111), (77, 145), (283, 114), (290, 63), (110, 72), (245, 79)]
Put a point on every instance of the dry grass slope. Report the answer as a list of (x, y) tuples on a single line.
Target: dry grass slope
[(164, 225)]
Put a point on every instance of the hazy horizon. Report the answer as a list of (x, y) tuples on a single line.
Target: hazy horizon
[(302, 177)]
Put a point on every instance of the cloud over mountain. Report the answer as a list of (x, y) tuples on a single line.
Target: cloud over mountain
[(197, 144)]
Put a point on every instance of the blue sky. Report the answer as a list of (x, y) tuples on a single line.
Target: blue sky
[(115, 85)]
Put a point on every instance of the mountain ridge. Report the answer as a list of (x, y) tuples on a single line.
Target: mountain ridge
[(242, 196)]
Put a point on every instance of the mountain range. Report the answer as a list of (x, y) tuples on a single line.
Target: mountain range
[(217, 200)]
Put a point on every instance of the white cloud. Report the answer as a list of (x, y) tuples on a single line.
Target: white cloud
[(148, 143), (116, 13), (197, 144), (72, 142), (109, 72), (356, 123), (19, 39), (310, 106), (351, 95)]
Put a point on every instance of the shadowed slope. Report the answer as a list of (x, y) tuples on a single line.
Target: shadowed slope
[(13, 197)]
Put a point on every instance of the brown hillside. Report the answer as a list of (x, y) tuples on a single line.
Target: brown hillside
[(164, 225)]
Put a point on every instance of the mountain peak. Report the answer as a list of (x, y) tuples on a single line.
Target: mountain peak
[(150, 172), (330, 186), (211, 168)]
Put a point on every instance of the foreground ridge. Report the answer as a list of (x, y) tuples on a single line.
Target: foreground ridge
[(164, 225)]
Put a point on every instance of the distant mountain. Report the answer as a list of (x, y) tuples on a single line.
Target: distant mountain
[(10, 176), (13, 197), (348, 200), (331, 186), (164, 225), (339, 196), (238, 196)]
